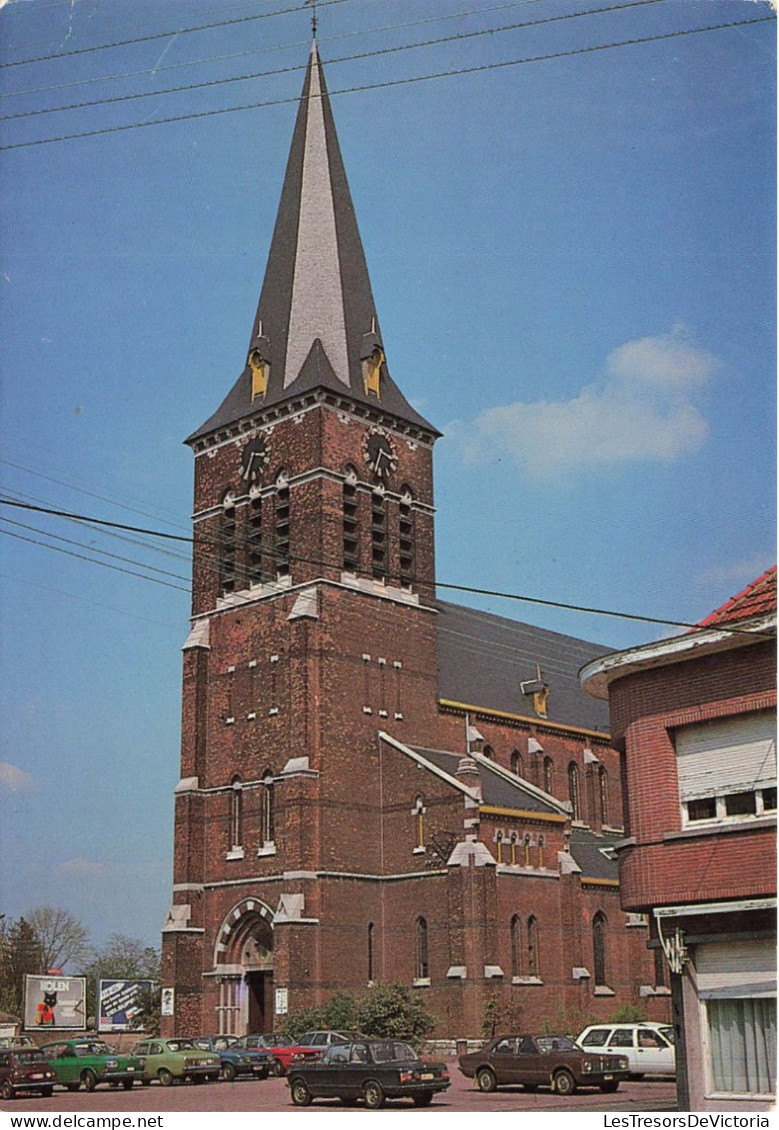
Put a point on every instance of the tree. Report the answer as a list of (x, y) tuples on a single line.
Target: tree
[(392, 1011), (20, 954), (62, 938), (125, 959)]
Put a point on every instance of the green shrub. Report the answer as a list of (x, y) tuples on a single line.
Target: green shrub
[(392, 1011)]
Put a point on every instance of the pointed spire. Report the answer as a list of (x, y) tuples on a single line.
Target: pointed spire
[(316, 323)]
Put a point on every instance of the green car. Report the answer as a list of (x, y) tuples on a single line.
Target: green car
[(168, 1060), (90, 1061)]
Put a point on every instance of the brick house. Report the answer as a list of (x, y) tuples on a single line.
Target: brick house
[(695, 718), (376, 786)]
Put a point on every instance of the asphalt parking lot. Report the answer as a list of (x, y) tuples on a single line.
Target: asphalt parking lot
[(273, 1095)]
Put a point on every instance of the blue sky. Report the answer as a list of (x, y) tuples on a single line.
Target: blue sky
[(573, 261)]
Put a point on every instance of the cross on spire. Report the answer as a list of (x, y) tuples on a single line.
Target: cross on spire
[(312, 4)]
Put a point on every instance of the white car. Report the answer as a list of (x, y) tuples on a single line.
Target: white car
[(649, 1047)]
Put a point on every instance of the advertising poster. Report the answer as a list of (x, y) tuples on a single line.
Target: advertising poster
[(119, 1002), (54, 1001)]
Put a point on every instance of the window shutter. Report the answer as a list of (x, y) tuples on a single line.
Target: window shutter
[(727, 755)]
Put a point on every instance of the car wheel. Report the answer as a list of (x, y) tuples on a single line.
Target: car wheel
[(563, 1083), (165, 1077), (485, 1080), (610, 1087), (7, 1090), (374, 1096), (277, 1068), (127, 1084), (89, 1080), (301, 1096), (424, 1099), (228, 1072)]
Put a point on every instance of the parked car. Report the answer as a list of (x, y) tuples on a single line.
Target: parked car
[(368, 1070), (177, 1059), (25, 1070), (537, 1061), (17, 1042), (282, 1050), (90, 1061), (323, 1038), (649, 1047), (235, 1060)]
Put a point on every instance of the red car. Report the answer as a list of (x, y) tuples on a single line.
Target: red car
[(282, 1050)]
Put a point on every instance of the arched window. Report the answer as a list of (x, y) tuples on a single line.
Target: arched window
[(227, 544), (548, 775), (351, 522), (419, 811), (499, 842), (282, 552), (489, 752), (516, 763), (603, 792), (236, 814), (599, 948), (254, 541), (421, 967), (516, 947), (371, 970), (541, 845), (573, 790), (379, 534), (407, 540), (267, 815), (533, 963)]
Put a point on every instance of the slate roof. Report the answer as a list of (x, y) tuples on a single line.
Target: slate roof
[(483, 658), (587, 849), (498, 787), (316, 319), (757, 599)]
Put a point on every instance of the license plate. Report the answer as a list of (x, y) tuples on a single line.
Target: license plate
[(608, 1076), (38, 1075), (427, 1075)]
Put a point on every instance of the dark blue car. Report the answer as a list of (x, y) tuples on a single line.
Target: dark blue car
[(235, 1060)]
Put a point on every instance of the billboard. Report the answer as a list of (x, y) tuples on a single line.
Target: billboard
[(52, 1001), (119, 1002)]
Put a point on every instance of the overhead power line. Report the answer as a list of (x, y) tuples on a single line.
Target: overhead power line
[(163, 35), (458, 37), (264, 50), (562, 605), (391, 82)]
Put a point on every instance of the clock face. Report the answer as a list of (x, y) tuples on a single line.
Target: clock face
[(254, 459), (379, 453)]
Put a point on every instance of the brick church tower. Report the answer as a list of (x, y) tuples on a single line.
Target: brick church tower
[(313, 542), (340, 819)]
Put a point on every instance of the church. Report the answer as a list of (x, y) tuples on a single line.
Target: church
[(377, 786)]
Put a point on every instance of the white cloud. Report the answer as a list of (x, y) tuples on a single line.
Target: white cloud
[(740, 573), (641, 410), (15, 779)]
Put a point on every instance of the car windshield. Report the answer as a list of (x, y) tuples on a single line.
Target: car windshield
[(548, 1044), (388, 1050), (30, 1057), (180, 1045)]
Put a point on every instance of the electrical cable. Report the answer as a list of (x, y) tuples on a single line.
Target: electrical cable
[(332, 62), (389, 83), (164, 35), (565, 606)]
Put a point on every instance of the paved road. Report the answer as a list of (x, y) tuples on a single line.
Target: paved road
[(273, 1095)]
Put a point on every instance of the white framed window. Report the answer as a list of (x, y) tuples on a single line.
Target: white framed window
[(727, 769), (742, 1045)]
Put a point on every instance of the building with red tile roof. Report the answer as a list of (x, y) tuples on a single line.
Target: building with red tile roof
[(694, 718)]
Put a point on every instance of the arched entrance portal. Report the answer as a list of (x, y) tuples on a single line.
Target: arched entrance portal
[(244, 970)]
